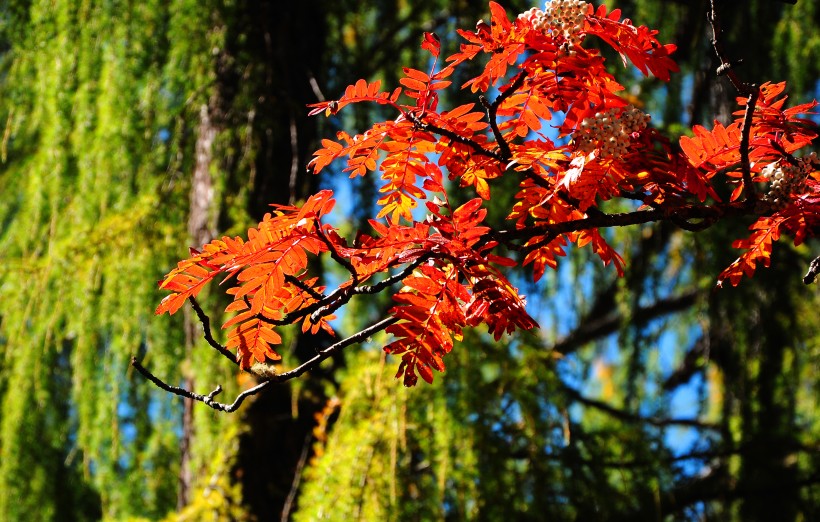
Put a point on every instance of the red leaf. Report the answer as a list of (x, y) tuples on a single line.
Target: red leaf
[(431, 43), (467, 209)]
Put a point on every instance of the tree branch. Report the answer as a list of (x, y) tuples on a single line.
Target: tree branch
[(453, 136), (709, 213), (726, 66), (814, 269), (206, 326), (330, 350), (205, 399), (295, 281), (634, 417), (749, 90), (595, 326), (492, 114), (406, 271), (336, 256), (314, 362), (689, 366)]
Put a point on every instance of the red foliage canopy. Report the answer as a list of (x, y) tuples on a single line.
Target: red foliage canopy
[(445, 257)]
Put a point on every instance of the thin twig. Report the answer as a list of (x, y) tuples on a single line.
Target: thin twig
[(745, 137), (314, 362), (206, 326), (749, 90), (455, 137), (406, 271), (634, 417), (336, 256), (726, 65), (300, 313), (295, 281), (814, 270), (330, 350), (297, 478), (208, 400), (776, 145), (339, 297), (538, 180), (492, 114)]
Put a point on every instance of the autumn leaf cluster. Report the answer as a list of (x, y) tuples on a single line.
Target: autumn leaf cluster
[(549, 113)]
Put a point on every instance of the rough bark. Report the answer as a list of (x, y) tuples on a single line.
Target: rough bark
[(200, 231)]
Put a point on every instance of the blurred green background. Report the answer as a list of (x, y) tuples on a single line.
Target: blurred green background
[(133, 130)]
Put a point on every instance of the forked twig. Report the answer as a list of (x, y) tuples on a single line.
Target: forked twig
[(314, 362), (206, 327), (748, 90)]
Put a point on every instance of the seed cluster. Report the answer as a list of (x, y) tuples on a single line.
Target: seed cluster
[(560, 18), (785, 179), (610, 130)]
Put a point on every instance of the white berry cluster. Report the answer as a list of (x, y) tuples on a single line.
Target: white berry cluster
[(560, 18), (786, 178), (610, 130)]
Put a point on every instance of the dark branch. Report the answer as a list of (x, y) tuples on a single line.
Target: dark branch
[(320, 356), (336, 256), (492, 114), (745, 137), (455, 137), (634, 417), (749, 90), (779, 148), (814, 269), (339, 297), (505, 154), (682, 215), (206, 326), (596, 325), (406, 271), (205, 399), (330, 350), (726, 65), (298, 283), (691, 364)]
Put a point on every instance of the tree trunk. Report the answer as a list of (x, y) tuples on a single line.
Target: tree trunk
[(274, 62), (200, 231)]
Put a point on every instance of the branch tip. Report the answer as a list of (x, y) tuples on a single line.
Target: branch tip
[(814, 270)]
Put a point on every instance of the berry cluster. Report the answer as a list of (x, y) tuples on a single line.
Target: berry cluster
[(560, 18), (786, 178), (610, 130)]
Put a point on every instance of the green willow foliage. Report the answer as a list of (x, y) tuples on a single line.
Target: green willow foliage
[(102, 104), (94, 190)]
